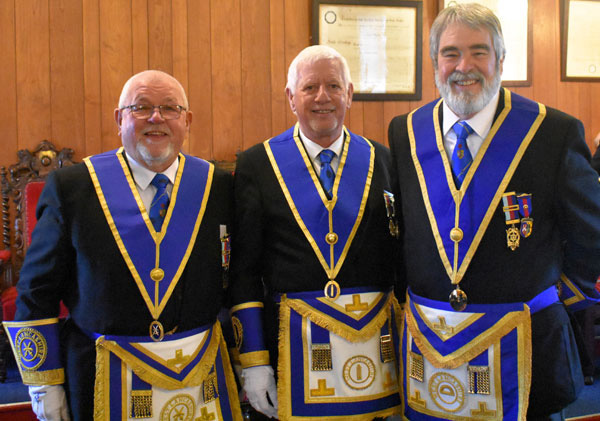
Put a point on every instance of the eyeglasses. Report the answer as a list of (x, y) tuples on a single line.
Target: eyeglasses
[(144, 111)]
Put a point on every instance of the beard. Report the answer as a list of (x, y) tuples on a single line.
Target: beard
[(151, 160), (467, 103)]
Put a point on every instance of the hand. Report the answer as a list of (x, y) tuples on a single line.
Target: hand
[(258, 383), (49, 403)]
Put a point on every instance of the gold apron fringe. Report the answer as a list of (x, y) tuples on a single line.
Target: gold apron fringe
[(284, 406), (469, 351), (158, 379), (340, 329)]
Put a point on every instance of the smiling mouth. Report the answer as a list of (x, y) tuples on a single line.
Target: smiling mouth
[(322, 111), (155, 133), (466, 82)]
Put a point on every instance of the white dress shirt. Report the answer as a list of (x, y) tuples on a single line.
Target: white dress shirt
[(481, 124), (143, 176), (314, 149)]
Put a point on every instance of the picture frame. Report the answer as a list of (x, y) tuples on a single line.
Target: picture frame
[(380, 39), (580, 43), (517, 23)]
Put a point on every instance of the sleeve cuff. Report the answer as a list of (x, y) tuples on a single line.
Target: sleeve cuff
[(247, 322), (37, 351)]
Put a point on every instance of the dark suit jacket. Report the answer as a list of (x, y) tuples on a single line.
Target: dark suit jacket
[(73, 256), (596, 160), (566, 238), (269, 247)]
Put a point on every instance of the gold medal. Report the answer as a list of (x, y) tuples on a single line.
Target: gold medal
[(157, 332), (512, 238), (332, 290)]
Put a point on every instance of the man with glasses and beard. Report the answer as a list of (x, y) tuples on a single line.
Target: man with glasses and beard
[(131, 241), (499, 204)]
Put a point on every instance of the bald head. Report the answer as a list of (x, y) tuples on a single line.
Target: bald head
[(148, 77)]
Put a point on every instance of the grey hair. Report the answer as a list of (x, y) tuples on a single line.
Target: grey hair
[(311, 55), (150, 74), (473, 15)]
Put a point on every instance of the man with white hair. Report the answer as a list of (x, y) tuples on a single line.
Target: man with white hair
[(499, 204), (314, 249), (131, 241)]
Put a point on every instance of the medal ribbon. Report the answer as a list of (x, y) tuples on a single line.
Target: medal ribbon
[(316, 215), (525, 205), (141, 246), (511, 208), (471, 207)]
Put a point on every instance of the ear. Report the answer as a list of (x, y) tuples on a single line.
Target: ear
[(188, 119), (290, 97), (350, 93), (118, 118)]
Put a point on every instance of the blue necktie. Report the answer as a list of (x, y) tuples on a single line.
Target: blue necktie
[(160, 203), (461, 157), (327, 175)]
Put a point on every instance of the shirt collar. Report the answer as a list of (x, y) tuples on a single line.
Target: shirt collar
[(314, 149), (480, 122), (143, 176)]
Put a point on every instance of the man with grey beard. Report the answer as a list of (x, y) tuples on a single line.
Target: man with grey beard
[(499, 205)]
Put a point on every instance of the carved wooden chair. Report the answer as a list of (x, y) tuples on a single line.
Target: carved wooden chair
[(22, 185)]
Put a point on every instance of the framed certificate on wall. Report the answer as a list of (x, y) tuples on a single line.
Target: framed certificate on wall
[(580, 40), (381, 41)]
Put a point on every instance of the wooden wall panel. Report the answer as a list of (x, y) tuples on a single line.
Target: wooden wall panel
[(200, 80), (34, 111), (116, 63), (65, 62), (66, 77), (140, 39), (297, 37), (256, 69), (8, 82), (91, 80), (279, 104), (160, 35), (225, 45)]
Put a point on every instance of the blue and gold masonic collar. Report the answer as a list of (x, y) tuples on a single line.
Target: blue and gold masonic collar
[(328, 224), (144, 250), (459, 217)]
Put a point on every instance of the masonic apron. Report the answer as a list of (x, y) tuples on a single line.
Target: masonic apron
[(337, 347)]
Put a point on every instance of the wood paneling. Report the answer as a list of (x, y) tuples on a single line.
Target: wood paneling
[(8, 82), (65, 62), (225, 44), (34, 113)]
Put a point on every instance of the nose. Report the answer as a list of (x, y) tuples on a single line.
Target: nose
[(156, 116), (465, 64), (322, 94)]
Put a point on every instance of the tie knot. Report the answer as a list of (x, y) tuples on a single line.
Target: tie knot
[(462, 130), (326, 156), (160, 181)]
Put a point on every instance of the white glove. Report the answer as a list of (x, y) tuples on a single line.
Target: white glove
[(258, 383), (49, 403)]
